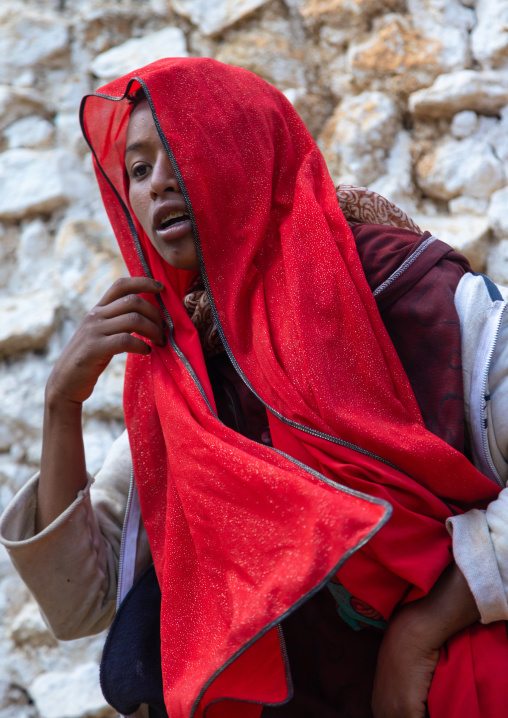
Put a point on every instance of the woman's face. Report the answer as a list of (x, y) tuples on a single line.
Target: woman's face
[(155, 194)]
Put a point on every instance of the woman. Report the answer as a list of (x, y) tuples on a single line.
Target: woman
[(215, 175)]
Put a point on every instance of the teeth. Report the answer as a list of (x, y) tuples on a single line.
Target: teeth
[(172, 215)]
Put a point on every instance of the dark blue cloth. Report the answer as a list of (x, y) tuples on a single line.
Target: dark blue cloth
[(131, 661)]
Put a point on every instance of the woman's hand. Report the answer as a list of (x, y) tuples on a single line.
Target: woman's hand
[(105, 331), (410, 650)]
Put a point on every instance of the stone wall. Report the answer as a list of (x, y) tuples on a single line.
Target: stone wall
[(410, 98)]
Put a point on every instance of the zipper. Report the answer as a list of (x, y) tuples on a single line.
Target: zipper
[(479, 396), (128, 544), (405, 265)]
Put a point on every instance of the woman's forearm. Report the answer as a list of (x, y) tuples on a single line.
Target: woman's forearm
[(447, 609), (63, 468)]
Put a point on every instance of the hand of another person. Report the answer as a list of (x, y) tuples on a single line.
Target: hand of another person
[(405, 666), (105, 331), (410, 649)]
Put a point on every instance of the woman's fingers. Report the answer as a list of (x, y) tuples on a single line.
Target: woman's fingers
[(131, 304), (124, 342), (130, 285), (134, 322), (105, 331)]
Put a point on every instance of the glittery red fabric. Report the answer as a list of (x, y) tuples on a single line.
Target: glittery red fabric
[(239, 533)]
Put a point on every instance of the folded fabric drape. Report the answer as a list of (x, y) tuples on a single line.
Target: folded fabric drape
[(242, 533)]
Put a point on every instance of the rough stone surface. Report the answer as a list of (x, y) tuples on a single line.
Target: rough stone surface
[(397, 184), (464, 124), (27, 321), (16, 103), (30, 39), (86, 264), (498, 214), (407, 96), (70, 695), (497, 262), (468, 235), (400, 57), (15, 702), (357, 137), (469, 167), (274, 53), (485, 92), (213, 17), (32, 131), (34, 181), (489, 39), (340, 14), (137, 52)]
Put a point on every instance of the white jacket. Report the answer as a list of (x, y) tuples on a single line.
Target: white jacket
[(480, 538)]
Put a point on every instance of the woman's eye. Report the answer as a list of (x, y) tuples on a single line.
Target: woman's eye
[(139, 170)]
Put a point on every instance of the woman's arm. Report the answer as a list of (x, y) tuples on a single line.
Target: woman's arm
[(410, 649), (105, 331)]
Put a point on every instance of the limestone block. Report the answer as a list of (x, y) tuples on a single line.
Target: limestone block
[(497, 263), (468, 205), (22, 383), (73, 694), (106, 401), (9, 243), (397, 184), (337, 77), (495, 132), (485, 92), (86, 264), (400, 57), (65, 90), (464, 124), (31, 39), (213, 17), (468, 235), (97, 438), (14, 473), (312, 108), (35, 262), (358, 136), (29, 630), (270, 53), (498, 213), (343, 13), (431, 15), (489, 39), (35, 181), (68, 133), (32, 131), (27, 321), (16, 103), (454, 168), (14, 702), (138, 52)]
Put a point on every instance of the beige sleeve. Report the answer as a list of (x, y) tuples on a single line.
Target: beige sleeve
[(480, 549), (71, 567)]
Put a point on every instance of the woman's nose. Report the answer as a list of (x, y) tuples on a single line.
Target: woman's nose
[(163, 178)]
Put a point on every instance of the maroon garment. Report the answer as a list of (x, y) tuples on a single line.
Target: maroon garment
[(332, 665), (419, 313)]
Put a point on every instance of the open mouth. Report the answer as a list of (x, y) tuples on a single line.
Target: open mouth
[(173, 218)]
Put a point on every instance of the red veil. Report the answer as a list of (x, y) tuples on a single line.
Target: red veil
[(242, 533)]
